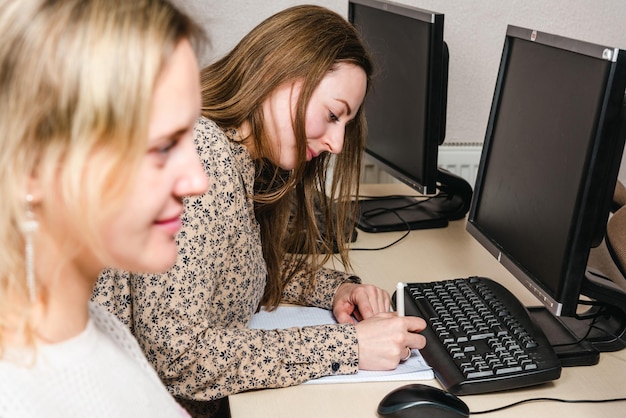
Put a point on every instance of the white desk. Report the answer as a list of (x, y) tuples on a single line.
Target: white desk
[(428, 255)]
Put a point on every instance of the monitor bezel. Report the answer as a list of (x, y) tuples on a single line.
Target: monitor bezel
[(436, 97), (602, 167)]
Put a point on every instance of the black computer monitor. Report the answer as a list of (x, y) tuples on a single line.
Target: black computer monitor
[(547, 173), (406, 114)]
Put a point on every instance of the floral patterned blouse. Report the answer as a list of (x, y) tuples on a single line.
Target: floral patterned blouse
[(191, 322)]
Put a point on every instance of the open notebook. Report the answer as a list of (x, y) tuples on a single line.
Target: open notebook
[(415, 368)]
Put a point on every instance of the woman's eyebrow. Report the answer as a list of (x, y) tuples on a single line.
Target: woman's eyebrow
[(348, 109)]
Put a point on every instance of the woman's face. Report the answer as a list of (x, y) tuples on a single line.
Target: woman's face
[(141, 236), (333, 104)]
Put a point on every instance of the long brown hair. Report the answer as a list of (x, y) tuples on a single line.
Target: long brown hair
[(302, 43)]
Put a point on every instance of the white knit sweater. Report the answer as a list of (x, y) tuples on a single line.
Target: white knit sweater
[(100, 373)]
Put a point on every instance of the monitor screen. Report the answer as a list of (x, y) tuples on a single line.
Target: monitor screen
[(406, 106), (550, 161)]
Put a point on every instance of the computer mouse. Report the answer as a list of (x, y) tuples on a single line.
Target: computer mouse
[(417, 400)]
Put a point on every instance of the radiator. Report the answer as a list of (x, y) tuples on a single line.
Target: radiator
[(461, 159)]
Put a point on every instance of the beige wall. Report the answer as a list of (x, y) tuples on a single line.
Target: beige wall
[(474, 31)]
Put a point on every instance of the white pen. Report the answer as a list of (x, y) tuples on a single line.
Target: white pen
[(400, 299)]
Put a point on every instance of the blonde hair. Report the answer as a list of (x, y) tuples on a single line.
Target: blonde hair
[(76, 84), (301, 43)]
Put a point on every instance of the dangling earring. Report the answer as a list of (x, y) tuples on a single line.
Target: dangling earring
[(29, 227)]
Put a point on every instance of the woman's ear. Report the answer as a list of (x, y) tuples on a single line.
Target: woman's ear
[(34, 189)]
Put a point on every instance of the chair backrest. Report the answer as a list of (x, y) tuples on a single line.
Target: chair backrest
[(616, 229), (616, 239), (619, 196)]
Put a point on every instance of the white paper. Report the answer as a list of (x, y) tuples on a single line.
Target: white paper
[(415, 368)]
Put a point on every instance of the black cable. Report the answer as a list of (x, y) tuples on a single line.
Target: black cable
[(592, 325), (406, 234), (587, 333), (379, 211), (397, 196), (488, 411), (418, 201)]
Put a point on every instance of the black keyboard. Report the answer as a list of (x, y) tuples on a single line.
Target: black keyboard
[(480, 338)]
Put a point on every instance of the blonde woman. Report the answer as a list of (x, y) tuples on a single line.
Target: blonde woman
[(99, 99), (275, 109)]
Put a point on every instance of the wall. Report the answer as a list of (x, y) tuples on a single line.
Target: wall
[(228, 21), (474, 31)]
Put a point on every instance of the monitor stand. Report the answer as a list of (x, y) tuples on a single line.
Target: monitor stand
[(607, 332), (398, 213), (567, 345), (402, 213)]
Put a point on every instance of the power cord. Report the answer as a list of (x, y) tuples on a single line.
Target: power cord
[(393, 211), (380, 211), (488, 411), (593, 318)]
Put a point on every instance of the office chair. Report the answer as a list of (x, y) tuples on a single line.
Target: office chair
[(616, 229), (619, 197), (616, 239)]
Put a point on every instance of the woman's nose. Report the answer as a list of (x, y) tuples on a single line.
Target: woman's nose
[(194, 180), (334, 140)]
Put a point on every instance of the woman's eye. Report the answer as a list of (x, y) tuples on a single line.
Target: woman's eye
[(333, 117), (165, 149), (161, 153)]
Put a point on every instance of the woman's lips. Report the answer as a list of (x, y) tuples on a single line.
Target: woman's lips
[(171, 225)]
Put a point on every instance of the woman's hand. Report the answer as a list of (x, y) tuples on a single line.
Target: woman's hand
[(361, 301), (384, 339)]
